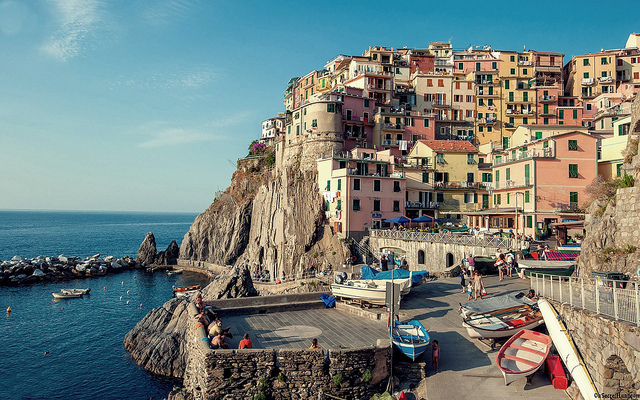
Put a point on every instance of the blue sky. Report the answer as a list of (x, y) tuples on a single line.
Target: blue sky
[(145, 105)]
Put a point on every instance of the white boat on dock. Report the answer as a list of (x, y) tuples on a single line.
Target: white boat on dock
[(502, 323), (523, 354), (359, 290)]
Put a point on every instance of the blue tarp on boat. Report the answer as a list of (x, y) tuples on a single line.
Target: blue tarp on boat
[(398, 273)]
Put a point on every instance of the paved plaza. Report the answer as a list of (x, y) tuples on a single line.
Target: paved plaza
[(468, 367)]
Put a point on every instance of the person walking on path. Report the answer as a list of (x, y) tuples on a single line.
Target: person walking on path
[(472, 265), (462, 282), (478, 286), (384, 262)]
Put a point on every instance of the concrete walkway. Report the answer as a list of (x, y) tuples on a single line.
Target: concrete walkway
[(468, 368)]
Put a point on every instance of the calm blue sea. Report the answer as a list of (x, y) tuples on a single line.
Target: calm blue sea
[(87, 359)]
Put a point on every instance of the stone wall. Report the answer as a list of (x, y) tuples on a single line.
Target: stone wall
[(280, 374), (610, 349)]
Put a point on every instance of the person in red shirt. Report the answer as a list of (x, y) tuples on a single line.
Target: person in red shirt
[(245, 343)]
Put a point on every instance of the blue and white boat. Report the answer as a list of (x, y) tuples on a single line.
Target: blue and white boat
[(411, 338)]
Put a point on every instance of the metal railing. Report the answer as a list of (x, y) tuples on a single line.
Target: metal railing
[(470, 240), (617, 299)]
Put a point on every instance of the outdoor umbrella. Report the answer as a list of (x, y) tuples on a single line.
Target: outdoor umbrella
[(423, 218), (398, 220)]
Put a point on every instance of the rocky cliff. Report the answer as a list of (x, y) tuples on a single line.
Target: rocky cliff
[(613, 220), (268, 215)]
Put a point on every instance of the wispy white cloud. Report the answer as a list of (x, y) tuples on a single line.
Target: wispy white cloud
[(193, 77), (163, 133), (79, 22), (165, 12)]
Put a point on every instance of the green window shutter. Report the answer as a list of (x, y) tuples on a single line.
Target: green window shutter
[(339, 205), (573, 170), (619, 170), (339, 184), (545, 144), (538, 135), (575, 114), (508, 174), (328, 185), (505, 142), (508, 198), (545, 109), (526, 174), (511, 95), (499, 199), (525, 96), (573, 145), (526, 196), (529, 221), (327, 205), (475, 198), (573, 197), (506, 84), (561, 114), (425, 177)]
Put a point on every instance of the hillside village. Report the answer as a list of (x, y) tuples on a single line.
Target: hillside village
[(488, 138)]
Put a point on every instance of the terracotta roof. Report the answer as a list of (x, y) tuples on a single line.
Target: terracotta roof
[(450, 145)]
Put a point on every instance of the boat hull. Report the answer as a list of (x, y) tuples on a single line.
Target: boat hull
[(61, 295), (556, 268), (411, 338), (75, 291), (373, 295), (523, 354), (567, 350), (502, 323)]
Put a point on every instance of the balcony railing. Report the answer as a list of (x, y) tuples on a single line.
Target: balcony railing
[(470, 240), (388, 125), (605, 79), (354, 118), (616, 299), (457, 185), (422, 204), (547, 98), (587, 81), (523, 155)]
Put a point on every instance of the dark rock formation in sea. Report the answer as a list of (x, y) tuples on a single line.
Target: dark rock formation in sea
[(168, 256), (269, 215), (612, 240), (157, 342), (147, 251)]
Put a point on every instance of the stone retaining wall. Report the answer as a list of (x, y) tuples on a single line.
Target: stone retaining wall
[(610, 349), (281, 374)]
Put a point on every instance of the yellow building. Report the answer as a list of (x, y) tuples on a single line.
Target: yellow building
[(453, 176), (590, 75), (610, 155)]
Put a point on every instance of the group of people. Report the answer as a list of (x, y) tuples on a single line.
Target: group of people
[(505, 263), (475, 286), (212, 325)]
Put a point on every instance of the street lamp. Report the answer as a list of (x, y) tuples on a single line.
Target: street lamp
[(517, 220)]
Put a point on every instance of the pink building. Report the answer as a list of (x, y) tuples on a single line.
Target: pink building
[(361, 190), (357, 116), (539, 183)]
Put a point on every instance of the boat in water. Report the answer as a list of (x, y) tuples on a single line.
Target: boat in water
[(411, 338), (502, 323), (556, 268), (76, 291), (567, 350), (62, 295), (175, 271), (181, 291), (365, 291), (523, 354)]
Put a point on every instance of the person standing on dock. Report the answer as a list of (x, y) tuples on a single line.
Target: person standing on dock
[(245, 343), (478, 285)]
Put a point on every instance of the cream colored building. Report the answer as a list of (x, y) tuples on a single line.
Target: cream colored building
[(610, 156)]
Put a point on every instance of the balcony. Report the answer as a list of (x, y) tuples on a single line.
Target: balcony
[(516, 101), (524, 63), (509, 125), (394, 127), (486, 121), (520, 112), (355, 119), (524, 155), (587, 81), (422, 204), (457, 185), (547, 99), (425, 166), (605, 79)]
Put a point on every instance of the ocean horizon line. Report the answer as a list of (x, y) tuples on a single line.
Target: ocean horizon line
[(45, 210)]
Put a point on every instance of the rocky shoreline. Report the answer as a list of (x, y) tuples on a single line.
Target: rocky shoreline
[(22, 271)]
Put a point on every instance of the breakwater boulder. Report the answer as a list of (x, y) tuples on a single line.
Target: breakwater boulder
[(157, 342), (19, 270)]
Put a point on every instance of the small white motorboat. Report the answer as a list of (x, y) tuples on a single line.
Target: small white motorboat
[(523, 354), (181, 291), (63, 295), (75, 291), (360, 290), (175, 271)]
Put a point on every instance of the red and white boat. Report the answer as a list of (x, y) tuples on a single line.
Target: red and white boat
[(502, 323), (180, 291), (523, 354)]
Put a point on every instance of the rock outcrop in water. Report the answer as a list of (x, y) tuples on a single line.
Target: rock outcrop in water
[(149, 255), (270, 216), (613, 234), (157, 342), (230, 286)]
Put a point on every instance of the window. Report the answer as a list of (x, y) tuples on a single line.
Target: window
[(525, 96), (545, 121), (508, 198), (471, 158), (513, 71), (573, 170), (376, 205), (490, 102), (618, 170), (314, 123), (561, 114), (585, 75), (497, 178), (429, 82), (529, 221), (486, 177), (331, 108), (508, 174), (498, 199), (440, 197), (470, 177), (396, 205), (396, 186), (506, 84), (525, 120), (512, 58), (298, 130), (356, 204), (538, 135), (505, 142), (356, 184), (526, 196), (327, 205), (603, 61), (489, 129), (470, 198), (426, 122), (524, 71), (440, 82), (376, 185), (366, 103), (545, 144), (585, 62), (575, 114), (339, 205), (339, 184), (573, 145), (494, 65), (573, 200), (289, 129), (425, 177), (603, 74), (511, 96), (477, 66), (636, 75), (460, 66), (480, 129), (440, 158)]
